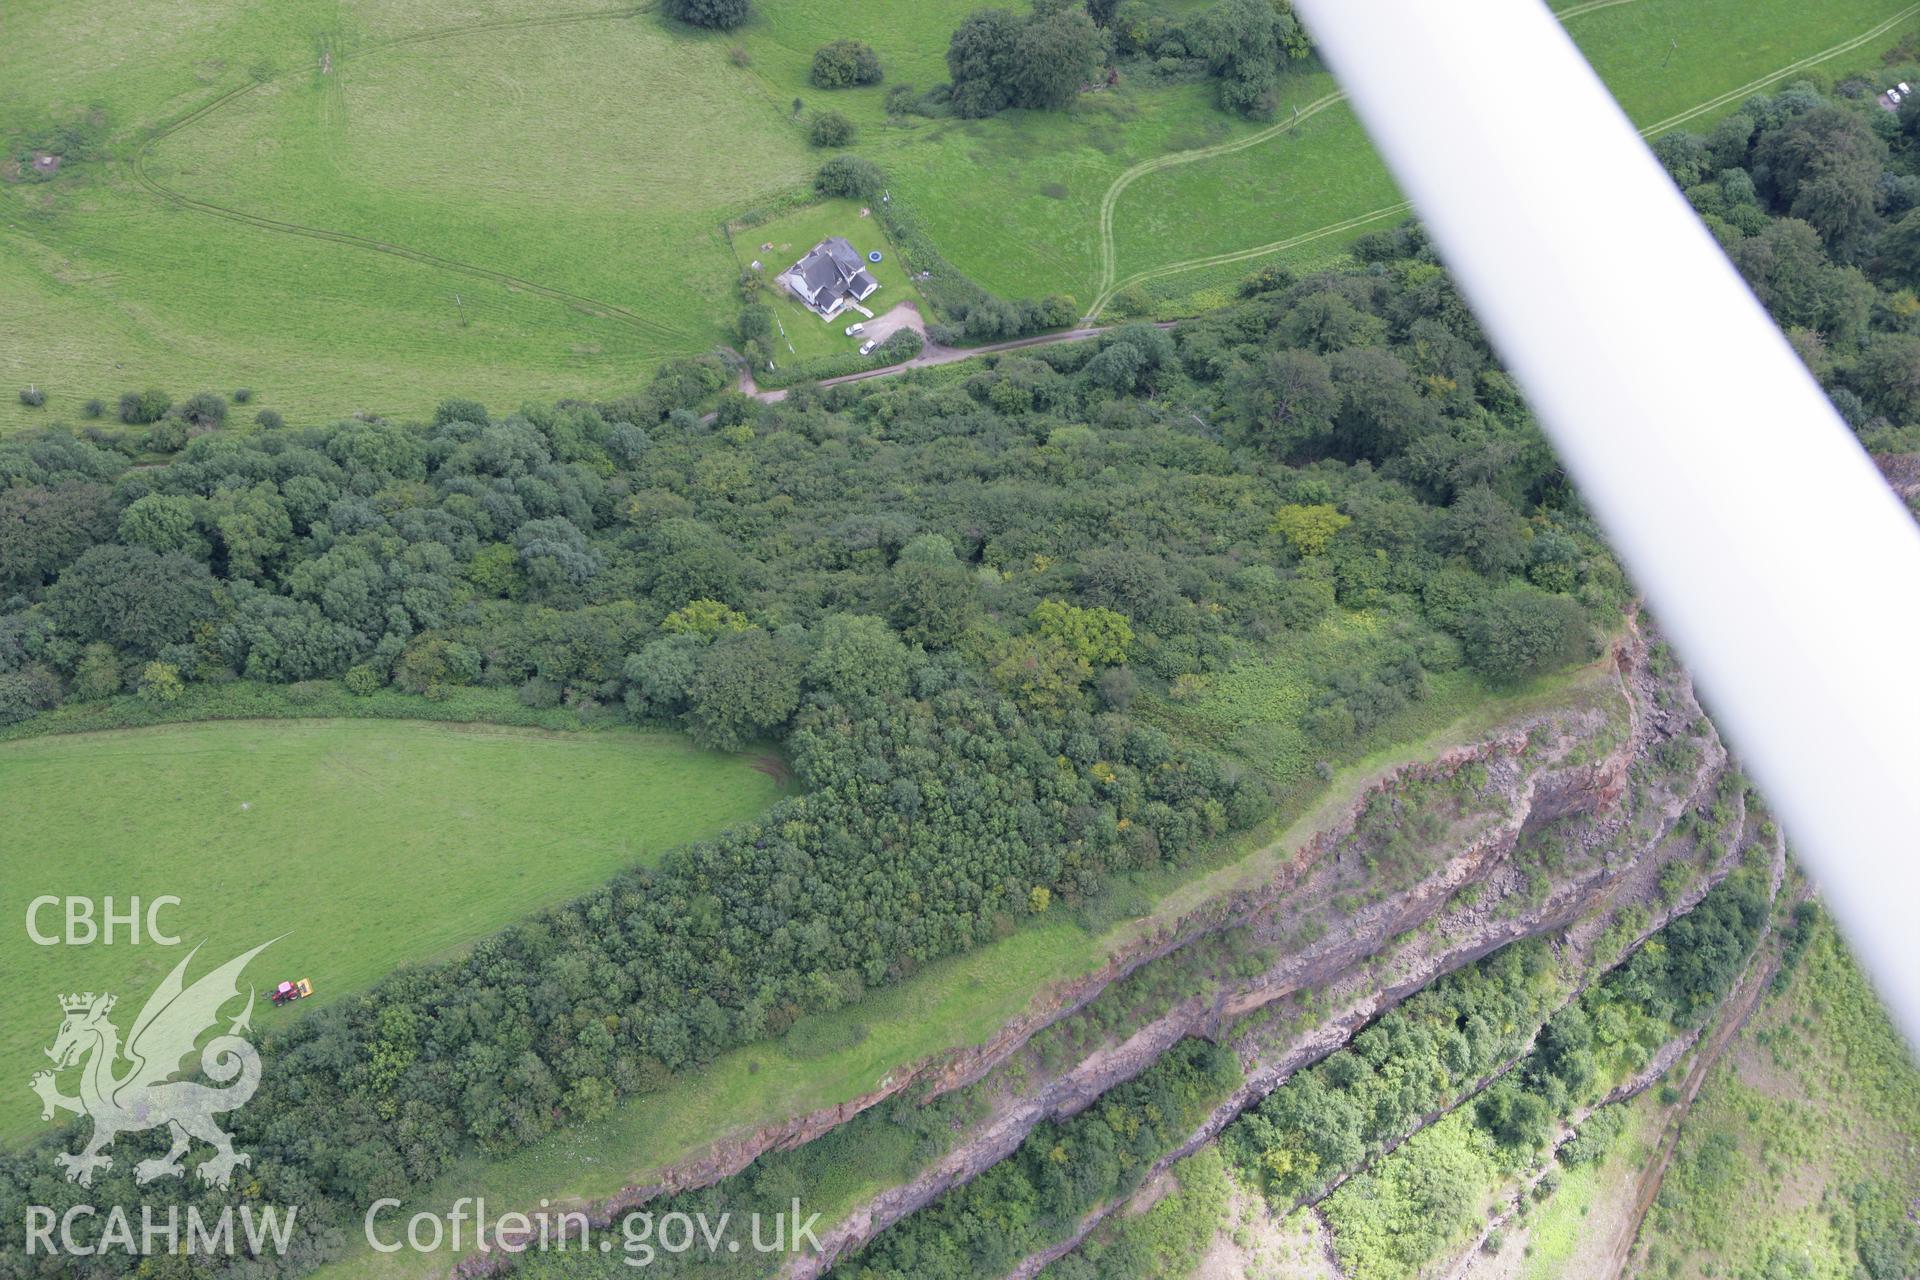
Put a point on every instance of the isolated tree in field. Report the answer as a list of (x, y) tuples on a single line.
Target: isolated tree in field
[(830, 129), (1001, 60), (719, 15), (981, 62), (842, 64), (1055, 54)]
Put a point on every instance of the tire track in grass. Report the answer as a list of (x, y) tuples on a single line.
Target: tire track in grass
[(579, 302), (1756, 85), (1108, 254), (1110, 286), (1575, 10)]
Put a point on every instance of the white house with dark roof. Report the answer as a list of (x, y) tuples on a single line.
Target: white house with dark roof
[(830, 278)]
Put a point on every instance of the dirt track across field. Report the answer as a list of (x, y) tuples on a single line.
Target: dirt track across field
[(906, 315)]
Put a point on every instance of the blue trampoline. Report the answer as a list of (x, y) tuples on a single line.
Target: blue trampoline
[(874, 256)]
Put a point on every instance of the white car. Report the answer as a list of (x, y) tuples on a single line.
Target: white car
[(866, 348), (853, 329)]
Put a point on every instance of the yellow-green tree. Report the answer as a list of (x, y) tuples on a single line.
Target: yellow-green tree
[(707, 618), (1098, 637), (1309, 528)]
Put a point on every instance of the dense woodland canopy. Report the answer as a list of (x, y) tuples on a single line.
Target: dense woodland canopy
[(944, 598), (1816, 198)]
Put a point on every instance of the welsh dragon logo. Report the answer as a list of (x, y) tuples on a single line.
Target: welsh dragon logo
[(145, 1095)]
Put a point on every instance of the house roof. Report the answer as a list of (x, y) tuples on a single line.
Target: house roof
[(830, 268)]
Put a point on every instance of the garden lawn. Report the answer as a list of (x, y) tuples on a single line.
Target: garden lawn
[(367, 844), (779, 242)]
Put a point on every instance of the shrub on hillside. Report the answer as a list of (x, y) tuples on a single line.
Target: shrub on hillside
[(1524, 630), (269, 419), (160, 683), (845, 63), (718, 15), (830, 129), (848, 176), (32, 689), (138, 408), (93, 408), (206, 410), (168, 435), (32, 397)]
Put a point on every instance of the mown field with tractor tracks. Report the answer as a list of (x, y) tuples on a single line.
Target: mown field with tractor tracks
[(362, 846)]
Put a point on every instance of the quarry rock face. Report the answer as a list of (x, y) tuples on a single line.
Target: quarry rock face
[(1590, 776)]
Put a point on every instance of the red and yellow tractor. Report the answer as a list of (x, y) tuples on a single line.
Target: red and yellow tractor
[(288, 992)]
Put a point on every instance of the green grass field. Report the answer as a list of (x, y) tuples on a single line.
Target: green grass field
[(355, 205), (369, 845)]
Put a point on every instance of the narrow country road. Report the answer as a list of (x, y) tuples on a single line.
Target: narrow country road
[(907, 316)]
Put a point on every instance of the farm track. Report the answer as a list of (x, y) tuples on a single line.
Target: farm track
[(1108, 254), (591, 306), (1109, 286)]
